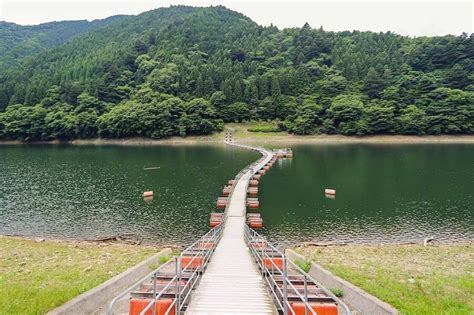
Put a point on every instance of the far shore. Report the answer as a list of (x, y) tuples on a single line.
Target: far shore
[(264, 138)]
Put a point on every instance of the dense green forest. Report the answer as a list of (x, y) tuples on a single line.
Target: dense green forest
[(185, 70), (18, 41)]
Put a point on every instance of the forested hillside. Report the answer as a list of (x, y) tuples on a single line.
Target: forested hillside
[(18, 41), (185, 70)]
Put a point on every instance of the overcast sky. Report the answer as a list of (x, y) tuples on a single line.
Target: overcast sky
[(414, 18)]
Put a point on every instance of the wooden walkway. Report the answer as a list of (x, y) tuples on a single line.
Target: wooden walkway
[(232, 283)]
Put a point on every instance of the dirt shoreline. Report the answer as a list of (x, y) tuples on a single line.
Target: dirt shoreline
[(429, 242), (265, 138), (302, 245), (91, 242)]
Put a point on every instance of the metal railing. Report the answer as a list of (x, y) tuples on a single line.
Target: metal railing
[(264, 254), (197, 255), (203, 256)]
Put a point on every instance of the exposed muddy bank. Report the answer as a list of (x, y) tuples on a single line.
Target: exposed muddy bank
[(261, 138)]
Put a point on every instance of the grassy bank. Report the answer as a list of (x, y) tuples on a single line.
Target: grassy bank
[(38, 276), (413, 278), (248, 132)]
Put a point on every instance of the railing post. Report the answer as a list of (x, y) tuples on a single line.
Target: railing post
[(154, 294), (305, 296), (178, 284), (265, 271), (272, 263), (285, 286)]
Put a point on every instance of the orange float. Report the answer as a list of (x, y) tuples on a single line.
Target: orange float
[(252, 191), (277, 262), (258, 245), (299, 308), (226, 191), (213, 224), (188, 262), (256, 223), (329, 191), (253, 205), (206, 245), (215, 219), (221, 202), (253, 183), (162, 305)]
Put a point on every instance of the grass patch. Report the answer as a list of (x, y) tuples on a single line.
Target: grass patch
[(305, 265), (337, 292), (413, 278), (36, 277), (254, 129), (164, 259), (263, 128)]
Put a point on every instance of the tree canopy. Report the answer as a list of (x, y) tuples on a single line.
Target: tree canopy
[(185, 70)]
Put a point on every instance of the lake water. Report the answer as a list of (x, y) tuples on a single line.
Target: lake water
[(384, 192), (96, 191)]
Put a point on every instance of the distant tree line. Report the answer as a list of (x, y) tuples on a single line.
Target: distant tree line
[(182, 70)]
